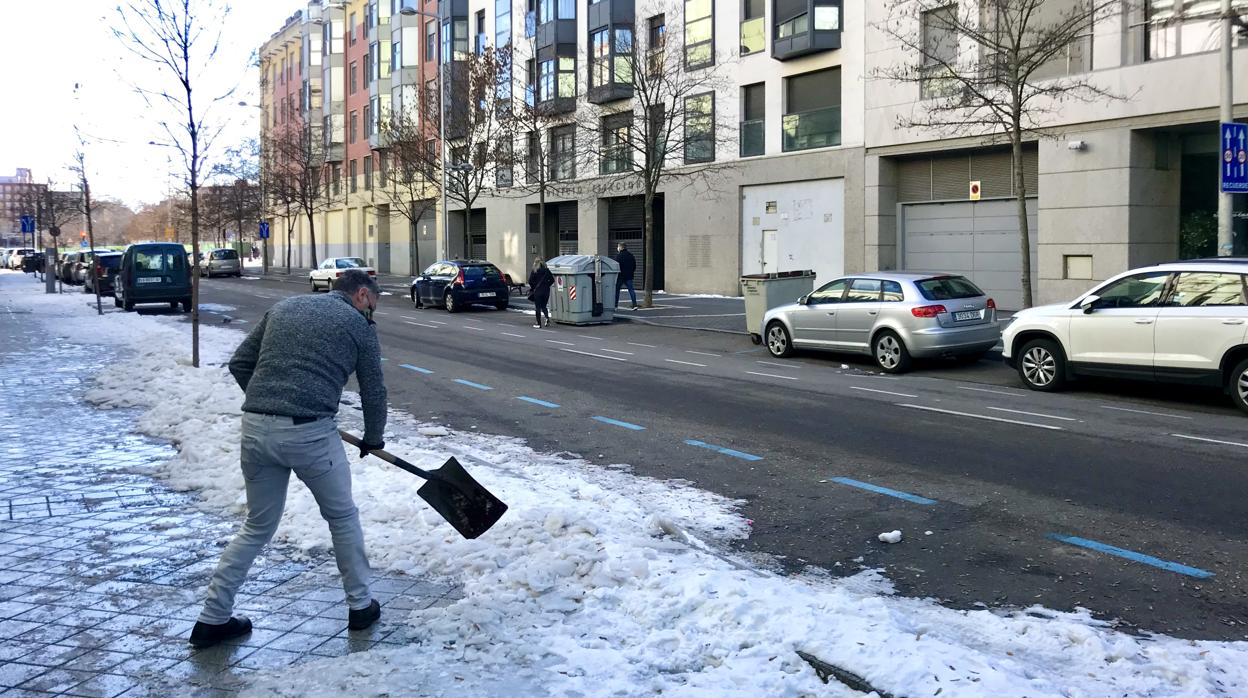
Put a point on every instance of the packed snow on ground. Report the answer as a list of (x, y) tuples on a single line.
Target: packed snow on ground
[(599, 582)]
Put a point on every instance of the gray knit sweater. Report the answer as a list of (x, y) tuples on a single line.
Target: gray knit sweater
[(298, 359)]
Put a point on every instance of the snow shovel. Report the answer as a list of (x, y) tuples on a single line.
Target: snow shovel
[(451, 491)]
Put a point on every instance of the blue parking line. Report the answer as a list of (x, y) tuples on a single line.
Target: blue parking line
[(1132, 555), (726, 451), (535, 401), (470, 384), (913, 498), (416, 368), (618, 423)]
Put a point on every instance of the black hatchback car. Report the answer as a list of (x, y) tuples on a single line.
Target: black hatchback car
[(460, 283)]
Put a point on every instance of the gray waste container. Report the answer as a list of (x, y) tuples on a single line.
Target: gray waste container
[(766, 291), (584, 290)]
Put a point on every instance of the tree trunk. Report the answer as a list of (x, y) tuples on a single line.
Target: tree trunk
[(648, 296), (312, 238), (86, 206), (541, 220), (467, 232), (194, 261), (1024, 232)]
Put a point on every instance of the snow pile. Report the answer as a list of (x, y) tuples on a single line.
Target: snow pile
[(598, 582), (890, 537)]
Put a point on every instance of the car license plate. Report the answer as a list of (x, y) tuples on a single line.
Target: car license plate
[(967, 315), (150, 280), (485, 294)]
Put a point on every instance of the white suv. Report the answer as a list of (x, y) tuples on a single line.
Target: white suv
[(1181, 322)]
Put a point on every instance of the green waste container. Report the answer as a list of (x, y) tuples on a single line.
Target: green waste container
[(584, 290), (763, 292)]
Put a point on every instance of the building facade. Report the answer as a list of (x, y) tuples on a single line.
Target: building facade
[(18, 196), (812, 165)]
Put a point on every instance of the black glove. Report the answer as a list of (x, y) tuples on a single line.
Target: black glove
[(366, 447)]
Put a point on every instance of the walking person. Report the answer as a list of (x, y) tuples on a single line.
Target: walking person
[(628, 266), (540, 281), (292, 368)]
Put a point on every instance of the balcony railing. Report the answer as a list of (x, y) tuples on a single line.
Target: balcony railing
[(753, 138), (817, 128), (753, 36)]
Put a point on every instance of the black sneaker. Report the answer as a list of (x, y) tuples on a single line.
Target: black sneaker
[(206, 635), (365, 617)]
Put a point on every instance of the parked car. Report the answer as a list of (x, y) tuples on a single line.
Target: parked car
[(101, 270), (15, 257), (83, 265), (4, 256), (65, 269), (323, 276), (223, 262), (153, 272), (894, 317), (1183, 322), (458, 284)]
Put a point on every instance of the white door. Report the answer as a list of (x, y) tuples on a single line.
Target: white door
[(1203, 318), (770, 255), (1120, 329)]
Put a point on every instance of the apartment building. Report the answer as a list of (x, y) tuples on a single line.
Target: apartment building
[(18, 194)]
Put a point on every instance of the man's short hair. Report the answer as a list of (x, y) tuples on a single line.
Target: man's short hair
[(623, 246), (353, 280)]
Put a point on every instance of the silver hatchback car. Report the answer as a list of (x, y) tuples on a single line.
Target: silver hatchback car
[(892, 316), (223, 262)]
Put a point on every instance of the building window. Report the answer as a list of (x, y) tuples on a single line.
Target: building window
[(369, 64), (351, 28), (753, 120), (657, 42), (503, 174), (382, 171), (940, 49), (455, 44), (617, 153), (557, 79), (479, 41), (368, 120), (530, 81), (700, 128), (812, 112), (368, 173), (563, 153), (351, 176), (753, 26), (1170, 28), (532, 166), (396, 55), (355, 126), (431, 40), (600, 57), (351, 77), (502, 43), (551, 10), (699, 33), (335, 174), (610, 52), (375, 103)]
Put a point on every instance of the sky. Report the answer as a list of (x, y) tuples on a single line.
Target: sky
[(51, 47)]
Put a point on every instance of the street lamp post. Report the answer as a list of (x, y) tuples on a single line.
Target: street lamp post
[(409, 11), (264, 262)]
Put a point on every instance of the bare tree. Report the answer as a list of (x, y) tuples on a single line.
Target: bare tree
[(997, 69), (239, 172), (52, 209), (181, 38), (298, 179), (412, 182), (85, 207), (665, 133)]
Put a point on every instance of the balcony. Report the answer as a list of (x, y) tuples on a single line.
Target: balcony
[(817, 128), (612, 92), (753, 138), (753, 36), (804, 27)]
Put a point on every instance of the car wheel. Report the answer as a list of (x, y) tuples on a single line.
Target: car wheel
[(779, 343), (501, 306), (449, 301), (1238, 385), (186, 305), (313, 282), (116, 303), (1042, 366), (173, 305), (127, 306), (890, 353)]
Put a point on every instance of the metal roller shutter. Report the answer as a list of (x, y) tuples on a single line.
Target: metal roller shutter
[(626, 223), (477, 235), (568, 230)]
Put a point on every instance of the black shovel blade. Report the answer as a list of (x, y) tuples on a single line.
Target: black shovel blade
[(461, 500)]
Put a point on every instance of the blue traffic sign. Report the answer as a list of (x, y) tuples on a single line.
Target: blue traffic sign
[(264, 230), (28, 224), (1233, 169)]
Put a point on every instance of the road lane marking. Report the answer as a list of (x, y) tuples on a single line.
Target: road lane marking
[(771, 375), (541, 330), (421, 324), (617, 351), (470, 384), (535, 401), (1033, 414), (648, 346), (566, 344), (724, 450), (587, 353), (1131, 555), (914, 498), (1155, 414), (513, 334), (884, 392), (470, 327), (981, 416), (437, 322), (1212, 441), (701, 353), (407, 317), (618, 423), (585, 336), (994, 392), (686, 363), (415, 368), (772, 363)]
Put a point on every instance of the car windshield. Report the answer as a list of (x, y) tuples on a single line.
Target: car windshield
[(224, 254), (477, 273), (945, 288), (349, 262)]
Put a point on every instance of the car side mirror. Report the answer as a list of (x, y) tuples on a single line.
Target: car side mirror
[(1089, 304), (804, 300)]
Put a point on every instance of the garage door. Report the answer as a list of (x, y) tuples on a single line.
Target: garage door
[(978, 239)]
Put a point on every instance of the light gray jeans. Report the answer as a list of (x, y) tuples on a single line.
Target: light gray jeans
[(272, 448)]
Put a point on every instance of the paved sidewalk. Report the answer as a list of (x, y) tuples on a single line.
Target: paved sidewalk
[(102, 569)]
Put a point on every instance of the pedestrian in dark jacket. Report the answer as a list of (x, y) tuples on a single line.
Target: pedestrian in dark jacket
[(540, 281), (292, 369), (628, 266)]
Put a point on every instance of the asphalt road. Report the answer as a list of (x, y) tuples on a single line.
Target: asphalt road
[(1125, 500)]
